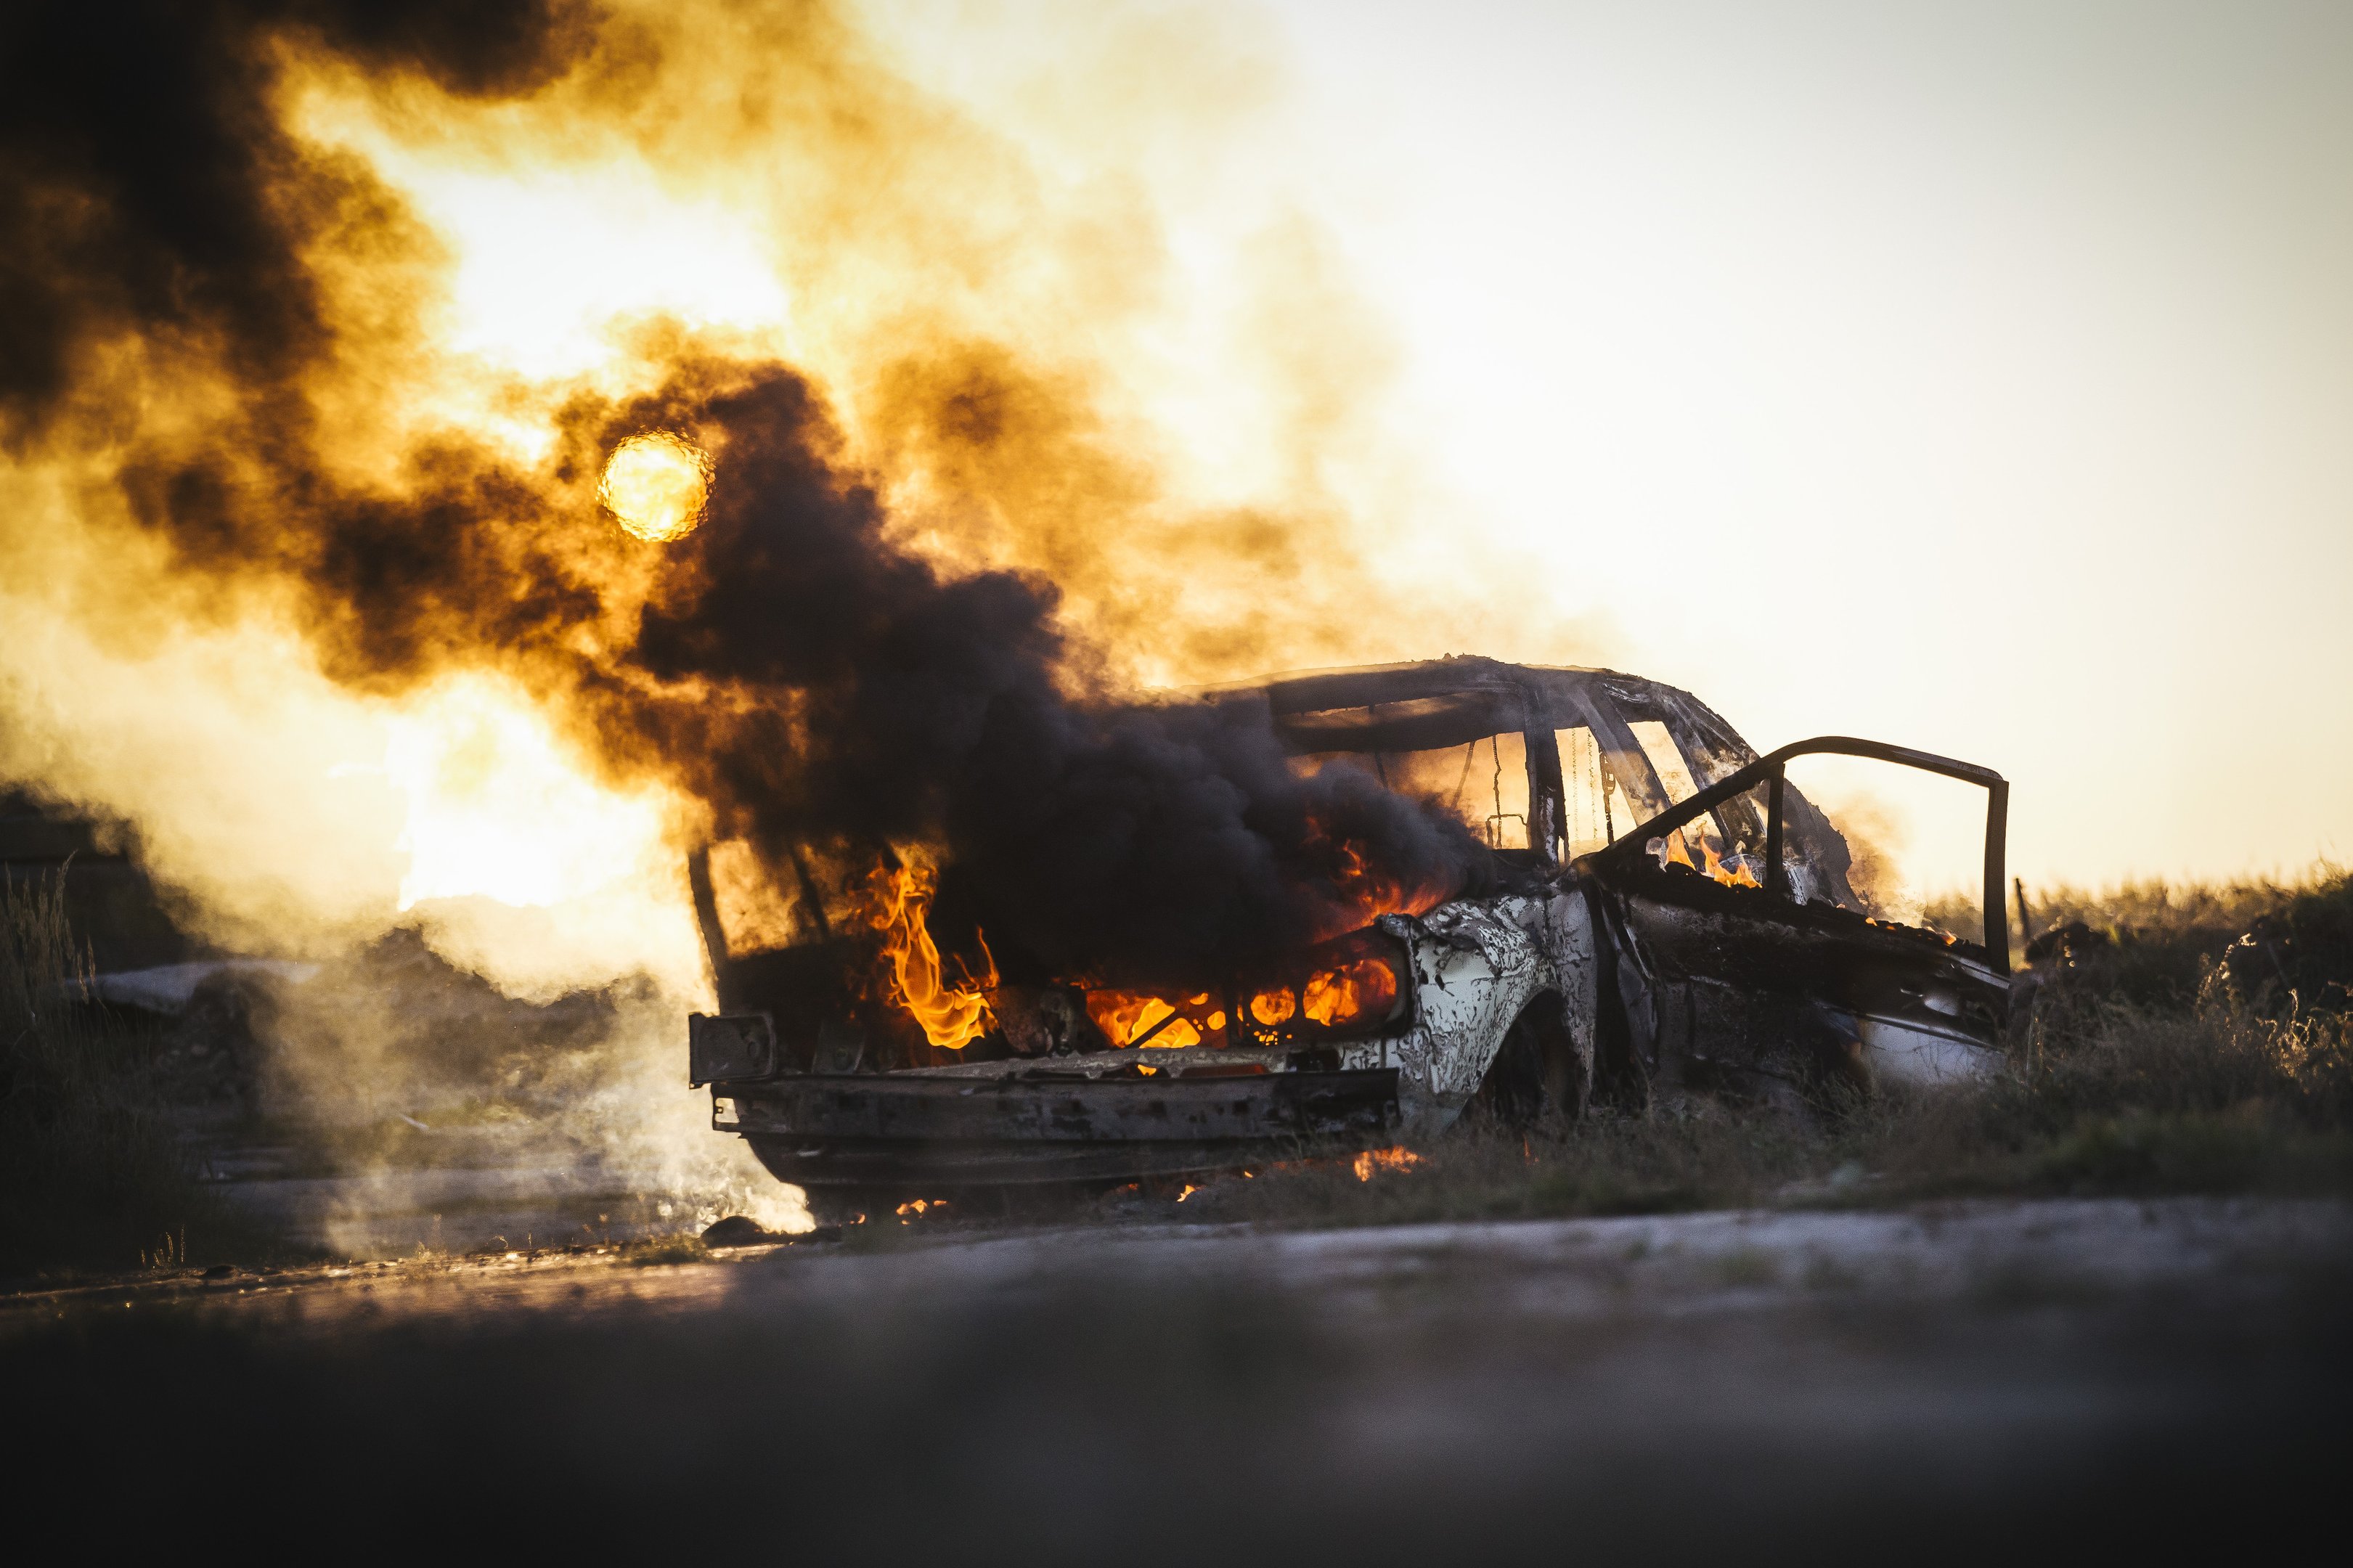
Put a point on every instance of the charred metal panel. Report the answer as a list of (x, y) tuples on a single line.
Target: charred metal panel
[(1266, 1107), (914, 1167), (1774, 1046), (1126, 1061), (1405, 726), (1733, 987), (1476, 966), (1747, 937)]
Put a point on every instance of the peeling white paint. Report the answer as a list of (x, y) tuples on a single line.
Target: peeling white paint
[(1476, 966)]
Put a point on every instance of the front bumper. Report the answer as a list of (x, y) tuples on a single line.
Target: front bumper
[(868, 1129)]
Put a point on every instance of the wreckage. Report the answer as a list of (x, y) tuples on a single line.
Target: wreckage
[(1666, 915)]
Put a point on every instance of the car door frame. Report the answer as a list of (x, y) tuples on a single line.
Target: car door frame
[(1705, 981)]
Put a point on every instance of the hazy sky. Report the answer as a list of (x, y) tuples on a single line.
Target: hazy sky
[(1978, 377), (1974, 377)]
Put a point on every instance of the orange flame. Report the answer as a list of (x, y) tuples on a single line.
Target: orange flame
[(1273, 1006), (1372, 892), (953, 1016), (1670, 850), (1129, 1018), (1735, 876), (1396, 1159), (1349, 992)]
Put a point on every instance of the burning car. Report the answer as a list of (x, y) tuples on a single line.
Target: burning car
[(1659, 913)]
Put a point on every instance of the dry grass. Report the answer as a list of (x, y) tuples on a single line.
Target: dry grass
[(2154, 938), (2155, 907), (2223, 1093), (2159, 1060), (90, 1172)]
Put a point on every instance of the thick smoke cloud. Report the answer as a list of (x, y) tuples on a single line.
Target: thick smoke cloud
[(144, 186), (788, 664), (812, 682), (1093, 832)]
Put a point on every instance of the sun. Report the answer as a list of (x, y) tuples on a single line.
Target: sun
[(656, 485)]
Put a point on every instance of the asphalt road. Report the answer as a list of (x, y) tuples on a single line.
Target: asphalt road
[(1944, 1382)]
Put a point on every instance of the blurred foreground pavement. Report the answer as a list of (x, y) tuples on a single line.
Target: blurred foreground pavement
[(1954, 1382)]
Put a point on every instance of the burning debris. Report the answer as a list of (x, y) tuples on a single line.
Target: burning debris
[(1369, 1161)]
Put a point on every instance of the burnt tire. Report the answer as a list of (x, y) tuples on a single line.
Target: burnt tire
[(1538, 1077)]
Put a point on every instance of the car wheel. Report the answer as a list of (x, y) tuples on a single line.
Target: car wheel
[(1538, 1076)]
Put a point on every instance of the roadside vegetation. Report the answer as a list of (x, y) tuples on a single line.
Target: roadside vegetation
[(91, 1173), (2183, 1041)]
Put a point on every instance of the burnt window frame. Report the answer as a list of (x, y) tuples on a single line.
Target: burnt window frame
[(1770, 771)]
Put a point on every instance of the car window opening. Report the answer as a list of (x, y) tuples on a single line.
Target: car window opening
[(1483, 783)]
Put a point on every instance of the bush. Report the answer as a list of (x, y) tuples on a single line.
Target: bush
[(2108, 1096), (90, 1172)]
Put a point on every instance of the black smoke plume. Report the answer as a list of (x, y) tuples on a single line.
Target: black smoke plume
[(145, 187), (792, 667)]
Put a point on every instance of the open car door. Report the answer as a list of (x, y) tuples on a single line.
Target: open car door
[(1729, 965)]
